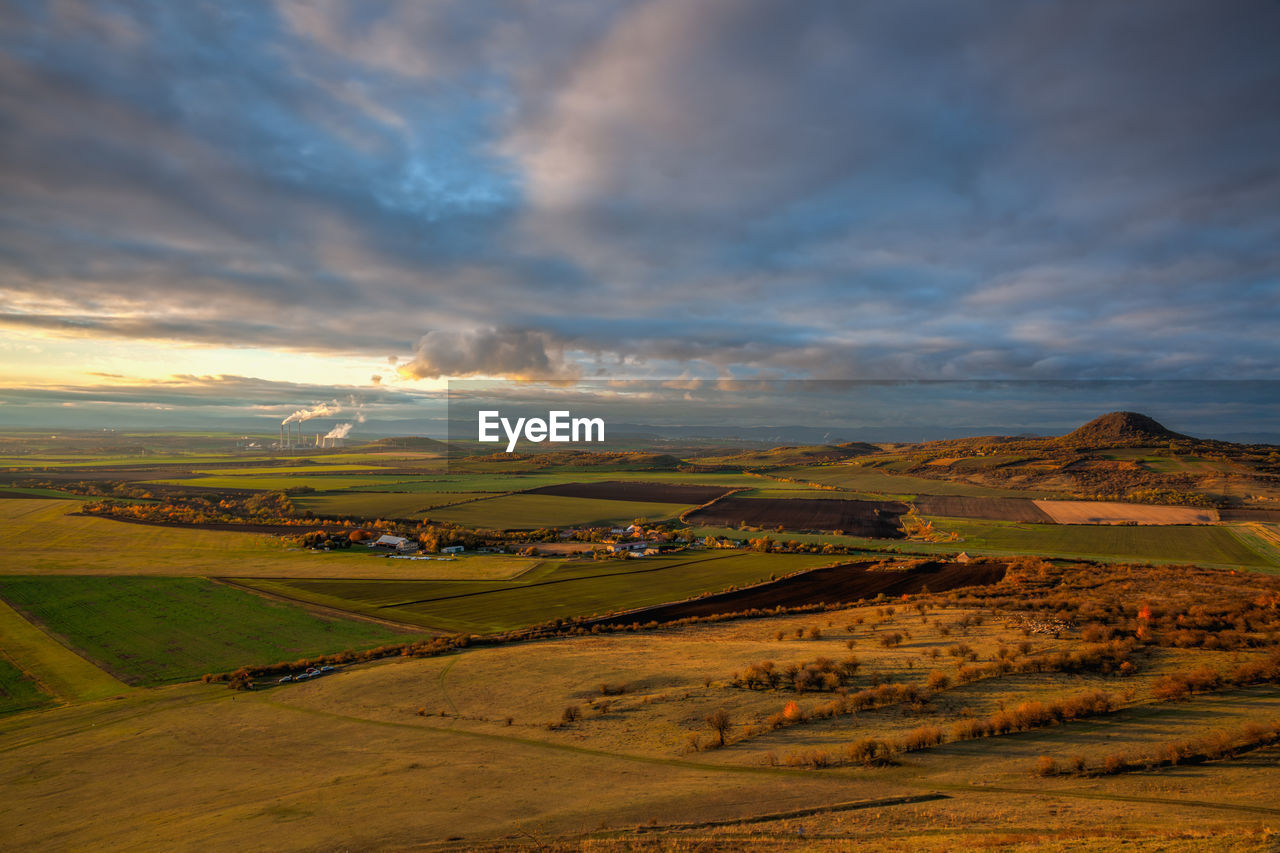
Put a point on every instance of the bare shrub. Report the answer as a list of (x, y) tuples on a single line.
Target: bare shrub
[(720, 723), (921, 737)]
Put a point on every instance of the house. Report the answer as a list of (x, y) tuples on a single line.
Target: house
[(635, 530), (633, 547), (452, 549), (963, 558), (395, 543)]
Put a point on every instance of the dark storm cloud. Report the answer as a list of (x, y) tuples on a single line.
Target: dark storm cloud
[(1064, 189)]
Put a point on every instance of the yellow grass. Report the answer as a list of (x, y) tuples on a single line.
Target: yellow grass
[(347, 762), (39, 537)]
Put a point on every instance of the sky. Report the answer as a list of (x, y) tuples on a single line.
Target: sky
[(238, 209)]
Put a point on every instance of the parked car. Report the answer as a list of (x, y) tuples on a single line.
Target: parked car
[(285, 679), (326, 669)]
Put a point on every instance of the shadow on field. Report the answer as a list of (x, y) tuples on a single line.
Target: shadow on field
[(833, 585)]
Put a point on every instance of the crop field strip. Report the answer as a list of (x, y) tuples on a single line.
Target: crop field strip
[(61, 672), (997, 509), (547, 593), (1106, 512), (530, 511), (390, 593), (279, 482), (868, 518), (645, 492), (18, 692), (865, 478), (849, 582), (1209, 544), (149, 630), (370, 505)]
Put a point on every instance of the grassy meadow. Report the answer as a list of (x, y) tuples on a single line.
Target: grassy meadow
[(412, 505), (1206, 544), (550, 590), (865, 478), (151, 630), (18, 691), (41, 537), (528, 512), (463, 736)]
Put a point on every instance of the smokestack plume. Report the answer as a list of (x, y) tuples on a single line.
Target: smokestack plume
[(323, 409), (339, 431)]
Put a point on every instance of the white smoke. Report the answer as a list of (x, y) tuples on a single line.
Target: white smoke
[(340, 431), (323, 409)]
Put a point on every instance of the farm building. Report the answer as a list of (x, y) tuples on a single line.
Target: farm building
[(452, 549), (634, 547), (395, 543)]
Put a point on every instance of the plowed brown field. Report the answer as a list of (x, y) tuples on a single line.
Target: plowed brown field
[(846, 583), (997, 509), (854, 518)]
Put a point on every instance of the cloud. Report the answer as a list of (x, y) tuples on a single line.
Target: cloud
[(232, 402), (513, 353), (657, 187)]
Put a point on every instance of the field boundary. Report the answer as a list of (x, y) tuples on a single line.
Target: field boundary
[(321, 609), (58, 670), (852, 805), (683, 518), (557, 581)]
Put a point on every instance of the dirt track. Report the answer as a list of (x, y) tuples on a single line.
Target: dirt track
[(855, 518), (846, 583)]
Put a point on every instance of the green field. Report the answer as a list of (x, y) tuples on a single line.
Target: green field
[(151, 631), (861, 543), (280, 482), (46, 493), (39, 537), (380, 504), (269, 470), (549, 591), (1202, 544), (523, 512), (811, 494), (61, 672), (863, 478), (18, 692), (517, 482)]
